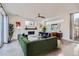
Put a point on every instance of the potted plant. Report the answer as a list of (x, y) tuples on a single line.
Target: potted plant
[(44, 29), (11, 30)]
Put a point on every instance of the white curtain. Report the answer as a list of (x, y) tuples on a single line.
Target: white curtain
[(0, 29), (6, 33)]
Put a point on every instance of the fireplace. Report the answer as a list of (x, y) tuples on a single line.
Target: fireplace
[(31, 32)]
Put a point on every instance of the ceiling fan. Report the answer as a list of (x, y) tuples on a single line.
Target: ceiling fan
[(39, 16)]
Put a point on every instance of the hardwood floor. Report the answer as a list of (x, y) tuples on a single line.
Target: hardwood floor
[(66, 49), (11, 49), (14, 49)]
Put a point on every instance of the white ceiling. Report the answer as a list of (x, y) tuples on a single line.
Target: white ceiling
[(30, 10)]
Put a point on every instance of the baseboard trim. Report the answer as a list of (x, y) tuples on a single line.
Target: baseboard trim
[(1, 45), (73, 41), (68, 39)]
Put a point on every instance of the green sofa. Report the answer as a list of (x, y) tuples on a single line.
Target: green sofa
[(35, 48)]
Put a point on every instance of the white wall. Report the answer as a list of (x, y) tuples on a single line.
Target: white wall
[(14, 19)]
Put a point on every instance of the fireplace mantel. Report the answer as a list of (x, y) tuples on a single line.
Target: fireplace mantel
[(30, 28)]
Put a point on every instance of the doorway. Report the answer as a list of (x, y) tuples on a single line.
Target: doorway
[(74, 26)]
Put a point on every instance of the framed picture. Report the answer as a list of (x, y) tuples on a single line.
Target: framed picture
[(18, 24)]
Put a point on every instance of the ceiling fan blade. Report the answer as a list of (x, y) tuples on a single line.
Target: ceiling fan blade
[(39, 16), (42, 16)]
